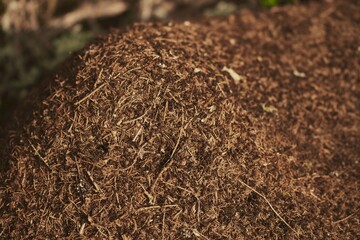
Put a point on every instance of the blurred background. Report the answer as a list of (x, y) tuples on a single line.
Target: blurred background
[(37, 35)]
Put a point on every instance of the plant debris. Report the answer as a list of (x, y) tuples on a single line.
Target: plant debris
[(269, 109), (299, 74), (233, 74), (143, 136)]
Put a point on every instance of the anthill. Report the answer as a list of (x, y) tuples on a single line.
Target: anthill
[(237, 128)]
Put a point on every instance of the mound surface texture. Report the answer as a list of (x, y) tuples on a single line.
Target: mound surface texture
[(237, 128)]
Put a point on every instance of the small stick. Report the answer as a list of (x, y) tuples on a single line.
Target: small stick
[(39, 156), (135, 119), (82, 229), (154, 207), (90, 94), (199, 234), (93, 181), (170, 160), (268, 202), (168, 163), (344, 219), (163, 227)]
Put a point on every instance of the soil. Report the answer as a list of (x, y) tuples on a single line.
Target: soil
[(227, 128)]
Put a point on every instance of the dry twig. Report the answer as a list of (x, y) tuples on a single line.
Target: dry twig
[(90, 94), (268, 202), (39, 156)]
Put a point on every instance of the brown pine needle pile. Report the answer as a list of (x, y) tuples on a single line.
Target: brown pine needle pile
[(244, 127)]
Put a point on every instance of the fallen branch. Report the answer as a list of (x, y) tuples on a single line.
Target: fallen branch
[(89, 11)]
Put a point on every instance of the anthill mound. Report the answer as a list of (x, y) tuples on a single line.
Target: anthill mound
[(238, 128)]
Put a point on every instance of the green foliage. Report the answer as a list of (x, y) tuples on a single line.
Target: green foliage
[(68, 43), (26, 58), (269, 3), (272, 3)]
